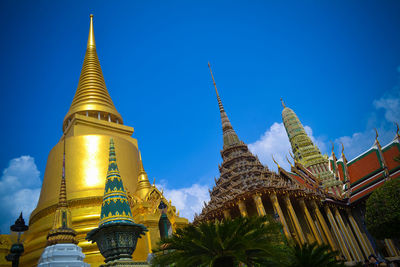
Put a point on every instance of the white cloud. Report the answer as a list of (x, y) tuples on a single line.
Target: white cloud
[(359, 142), (390, 103), (19, 190), (188, 200), (275, 142)]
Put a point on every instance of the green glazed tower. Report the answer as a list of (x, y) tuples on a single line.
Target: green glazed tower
[(308, 154)]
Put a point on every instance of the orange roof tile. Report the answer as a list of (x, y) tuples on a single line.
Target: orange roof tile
[(389, 153), (364, 166)]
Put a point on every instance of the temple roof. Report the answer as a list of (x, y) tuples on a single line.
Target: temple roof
[(241, 174), (92, 94)]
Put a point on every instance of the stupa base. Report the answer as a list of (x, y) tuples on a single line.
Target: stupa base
[(125, 263)]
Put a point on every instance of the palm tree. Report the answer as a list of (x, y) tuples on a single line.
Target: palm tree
[(254, 241), (312, 255)]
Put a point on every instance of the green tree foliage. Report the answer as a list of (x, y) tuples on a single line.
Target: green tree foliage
[(254, 241), (382, 215), (311, 255)]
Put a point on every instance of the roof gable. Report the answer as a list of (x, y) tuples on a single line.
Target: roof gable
[(389, 153), (365, 165)]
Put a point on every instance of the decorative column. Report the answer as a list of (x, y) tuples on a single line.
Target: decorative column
[(391, 247), (149, 242), (324, 225), (242, 208), (352, 235), (355, 250), (295, 220), (310, 221), (259, 205), (339, 237), (359, 235), (278, 210), (227, 215)]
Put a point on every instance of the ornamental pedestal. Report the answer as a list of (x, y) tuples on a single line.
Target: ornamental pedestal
[(117, 242)]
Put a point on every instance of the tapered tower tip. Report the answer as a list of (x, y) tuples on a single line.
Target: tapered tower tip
[(283, 104), (91, 42)]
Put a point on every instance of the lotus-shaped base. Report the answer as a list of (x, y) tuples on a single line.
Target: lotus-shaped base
[(116, 240)]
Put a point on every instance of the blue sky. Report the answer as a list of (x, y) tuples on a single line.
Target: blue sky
[(335, 63)]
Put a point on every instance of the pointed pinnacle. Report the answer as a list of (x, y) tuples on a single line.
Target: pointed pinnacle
[(275, 161), (91, 42), (283, 104)]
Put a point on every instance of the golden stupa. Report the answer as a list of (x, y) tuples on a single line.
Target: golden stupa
[(90, 122)]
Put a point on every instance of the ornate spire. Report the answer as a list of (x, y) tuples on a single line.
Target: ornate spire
[(303, 148), (283, 104), (277, 164), (229, 135), (305, 152), (397, 137), (143, 185), (115, 207), (343, 156), (376, 137), (62, 231), (92, 95), (334, 161), (383, 161)]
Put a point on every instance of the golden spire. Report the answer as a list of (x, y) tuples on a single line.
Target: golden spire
[(91, 42), (397, 132), (62, 199), (229, 135), (91, 96), (221, 107), (62, 231), (143, 184), (275, 161), (283, 104), (383, 161), (288, 161), (342, 149)]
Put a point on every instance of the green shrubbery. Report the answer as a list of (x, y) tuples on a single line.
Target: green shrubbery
[(253, 241), (382, 215)]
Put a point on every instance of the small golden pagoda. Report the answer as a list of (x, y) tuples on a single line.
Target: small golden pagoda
[(87, 128)]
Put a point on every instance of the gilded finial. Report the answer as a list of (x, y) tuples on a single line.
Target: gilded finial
[(212, 76), (91, 42), (275, 161), (283, 104), (342, 147), (397, 131), (288, 161), (376, 134), (291, 155), (333, 147)]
